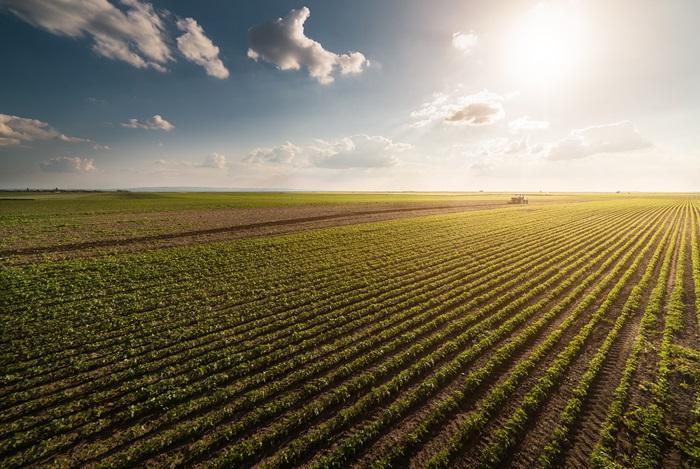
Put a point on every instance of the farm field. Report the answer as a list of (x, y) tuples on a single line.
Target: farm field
[(337, 330), (47, 225)]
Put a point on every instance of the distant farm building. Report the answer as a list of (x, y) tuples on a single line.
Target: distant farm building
[(518, 199)]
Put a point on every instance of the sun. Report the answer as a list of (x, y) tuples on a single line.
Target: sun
[(547, 44)]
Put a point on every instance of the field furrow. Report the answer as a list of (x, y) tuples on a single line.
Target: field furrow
[(556, 335)]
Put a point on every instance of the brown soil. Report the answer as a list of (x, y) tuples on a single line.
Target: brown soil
[(681, 396), (206, 226), (647, 366), (528, 443), (537, 434), (415, 418), (593, 412), (385, 441)]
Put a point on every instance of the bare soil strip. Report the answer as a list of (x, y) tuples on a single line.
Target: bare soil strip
[(347, 216)]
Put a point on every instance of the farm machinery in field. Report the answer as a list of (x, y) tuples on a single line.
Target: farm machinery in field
[(518, 199)]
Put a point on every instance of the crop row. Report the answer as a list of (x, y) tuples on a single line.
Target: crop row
[(142, 319), (191, 278), (451, 402), (188, 346), (205, 385), (117, 276), (649, 441), (560, 432), (515, 314), (146, 323), (693, 434), (506, 434), (603, 454), (592, 288), (337, 351), (440, 409)]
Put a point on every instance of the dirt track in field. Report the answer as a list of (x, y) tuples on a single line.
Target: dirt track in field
[(198, 227)]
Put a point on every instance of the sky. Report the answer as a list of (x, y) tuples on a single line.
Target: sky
[(364, 95)]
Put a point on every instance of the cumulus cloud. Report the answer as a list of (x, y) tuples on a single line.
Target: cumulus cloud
[(465, 42), (68, 164), (287, 153), (499, 149), (198, 48), (484, 113), (610, 138), (357, 151), (282, 42), (154, 123), (14, 130), (517, 146), (527, 124), (215, 160), (482, 108), (132, 31), (134, 35), (503, 146)]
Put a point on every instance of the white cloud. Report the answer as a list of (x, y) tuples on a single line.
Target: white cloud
[(465, 42), (134, 35), (357, 151), (154, 123), (14, 130), (482, 108), (132, 31), (198, 48), (570, 148), (68, 164), (215, 160), (526, 124), (492, 153), (517, 146), (610, 138), (287, 153), (283, 43), (98, 146), (477, 113), (498, 147)]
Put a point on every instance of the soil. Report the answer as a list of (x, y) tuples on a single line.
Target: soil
[(207, 226)]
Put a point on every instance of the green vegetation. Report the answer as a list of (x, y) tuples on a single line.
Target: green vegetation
[(434, 340), (41, 218), (57, 203)]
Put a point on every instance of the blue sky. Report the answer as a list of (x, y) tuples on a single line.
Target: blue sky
[(390, 95)]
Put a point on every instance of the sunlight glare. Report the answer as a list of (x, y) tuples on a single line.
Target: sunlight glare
[(547, 44)]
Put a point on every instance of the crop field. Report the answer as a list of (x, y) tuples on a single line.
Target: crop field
[(60, 225), (337, 330)]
